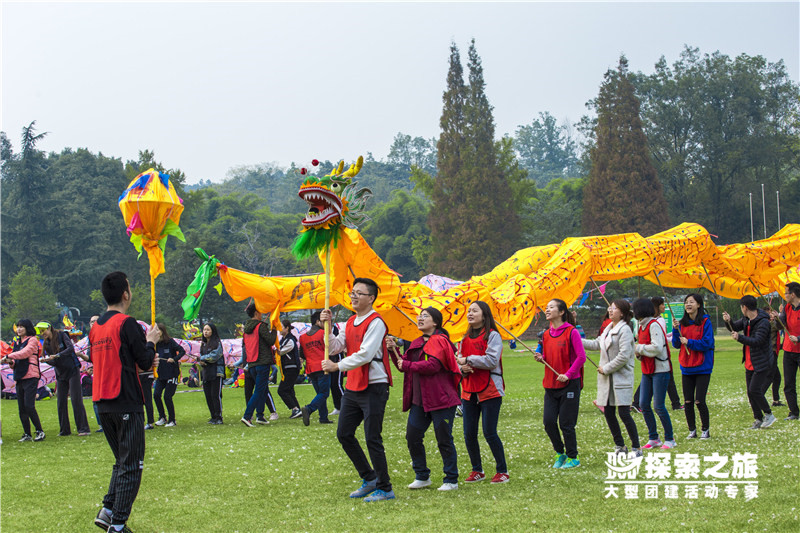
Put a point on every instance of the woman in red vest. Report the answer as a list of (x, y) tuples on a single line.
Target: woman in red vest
[(430, 395), (480, 361), (562, 349)]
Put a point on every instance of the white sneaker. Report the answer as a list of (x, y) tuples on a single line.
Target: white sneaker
[(334, 412), (668, 444), (170, 425), (768, 420), (420, 484), (273, 416), (161, 422), (448, 486)]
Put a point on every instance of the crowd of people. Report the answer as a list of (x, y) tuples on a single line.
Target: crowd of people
[(440, 375)]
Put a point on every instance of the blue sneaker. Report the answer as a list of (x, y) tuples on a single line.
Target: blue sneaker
[(561, 458), (571, 463), (380, 495), (367, 487)]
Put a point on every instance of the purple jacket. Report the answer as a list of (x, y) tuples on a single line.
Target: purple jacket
[(435, 365)]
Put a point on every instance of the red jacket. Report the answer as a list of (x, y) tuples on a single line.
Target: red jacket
[(434, 363)]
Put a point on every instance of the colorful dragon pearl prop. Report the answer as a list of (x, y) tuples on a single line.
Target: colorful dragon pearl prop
[(334, 200)]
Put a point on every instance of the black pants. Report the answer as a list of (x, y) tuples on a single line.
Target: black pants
[(213, 392), (625, 415), (336, 389), (418, 423), (757, 385), (286, 388), (125, 435), (366, 406), (791, 361), (487, 414), (147, 388), (672, 392), (26, 400), (168, 388), (249, 387), (776, 378), (695, 388), (71, 387), (561, 411)]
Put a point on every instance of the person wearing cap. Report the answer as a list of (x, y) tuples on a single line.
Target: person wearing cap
[(60, 354), (430, 395)]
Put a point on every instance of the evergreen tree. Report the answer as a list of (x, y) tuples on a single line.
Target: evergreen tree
[(623, 192), (472, 197)]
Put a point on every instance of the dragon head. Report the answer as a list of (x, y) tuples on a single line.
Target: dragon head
[(334, 200)]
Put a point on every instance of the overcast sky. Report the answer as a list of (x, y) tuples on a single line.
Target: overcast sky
[(211, 86)]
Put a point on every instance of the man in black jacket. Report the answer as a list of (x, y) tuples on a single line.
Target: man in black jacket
[(756, 356)]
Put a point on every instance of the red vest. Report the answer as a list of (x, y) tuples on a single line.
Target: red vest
[(105, 343), (793, 326), (251, 344), (690, 358), (358, 378), (555, 351), (479, 379), (649, 363), (313, 350)]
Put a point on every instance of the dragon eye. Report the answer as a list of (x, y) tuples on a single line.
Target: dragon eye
[(336, 186)]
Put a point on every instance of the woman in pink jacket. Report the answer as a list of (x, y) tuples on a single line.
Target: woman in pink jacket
[(430, 395), (25, 360)]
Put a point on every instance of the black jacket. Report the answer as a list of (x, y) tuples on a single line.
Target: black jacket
[(169, 350), (756, 336)]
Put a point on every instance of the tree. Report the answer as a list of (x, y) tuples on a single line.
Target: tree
[(623, 192), (718, 128), (29, 296), (473, 223), (546, 150), (417, 152)]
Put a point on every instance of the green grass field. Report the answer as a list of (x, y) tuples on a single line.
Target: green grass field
[(289, 477)]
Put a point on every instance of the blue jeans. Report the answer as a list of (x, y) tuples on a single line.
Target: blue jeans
[(322, 386), (654, 386), (260, 375)]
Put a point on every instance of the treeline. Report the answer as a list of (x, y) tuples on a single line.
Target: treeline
[(687, 142)]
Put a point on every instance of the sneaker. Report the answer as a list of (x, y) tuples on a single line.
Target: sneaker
[(571, 463), (306, 415), (367, 487), (692, 434), (768, 420), (273, 416), (680, 407), (103, 519), (245, 421), (635, 452), (125, 529), (653, 444), (149, 426), (636, 409), (474, 477), (161, 422), (420, 484), (792, 417), (500, 477), (335, 412), (170, 424), (39, 436), (262, 420), (26, 438), (777, 403), (706, 434), (459, 411), (756, 424), (62, 434), (296, 413), (621, 450), (218, 422), (379, 495), (448, 486), (668, 444), (98, 430), (326, 422), (84, 433), (600, 407), (561, 458)]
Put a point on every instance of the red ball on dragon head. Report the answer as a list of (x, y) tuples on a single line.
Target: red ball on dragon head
[(314, 162), (303, 171)]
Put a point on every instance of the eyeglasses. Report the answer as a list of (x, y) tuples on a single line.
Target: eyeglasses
[(354, 294), (424, 315)]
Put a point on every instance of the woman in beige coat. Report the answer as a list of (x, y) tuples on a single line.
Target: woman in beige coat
[(615, 374)]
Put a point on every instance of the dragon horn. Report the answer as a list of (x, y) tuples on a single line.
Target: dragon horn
[(354, 168)]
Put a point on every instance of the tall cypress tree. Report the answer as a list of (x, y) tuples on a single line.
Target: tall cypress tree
[(471, 191), (623, 192)]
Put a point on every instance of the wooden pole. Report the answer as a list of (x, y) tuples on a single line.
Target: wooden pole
[(666, 299), (327, 297), (598, 290), (769, 304), (710, 280), (526, 346), (152, 300)]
